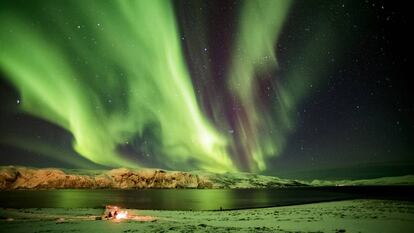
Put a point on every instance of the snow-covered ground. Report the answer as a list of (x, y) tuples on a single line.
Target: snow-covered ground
[(397, 180), (340, 216)]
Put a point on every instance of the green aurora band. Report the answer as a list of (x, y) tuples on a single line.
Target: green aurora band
[(106, 76), (260, 25), (110, 71)]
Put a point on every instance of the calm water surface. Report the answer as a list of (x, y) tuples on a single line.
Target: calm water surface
[(193, 199)]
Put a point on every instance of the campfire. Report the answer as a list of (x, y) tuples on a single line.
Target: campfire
[(114, 212), (122, 215)]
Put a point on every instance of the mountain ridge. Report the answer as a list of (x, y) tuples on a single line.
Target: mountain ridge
[(16, 177)]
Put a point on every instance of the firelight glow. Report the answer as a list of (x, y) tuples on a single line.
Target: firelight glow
[(122, 215)]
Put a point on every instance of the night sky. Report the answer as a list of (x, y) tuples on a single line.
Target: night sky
[(298, 89)]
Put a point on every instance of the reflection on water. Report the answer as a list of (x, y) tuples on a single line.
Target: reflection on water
[(188, 199)]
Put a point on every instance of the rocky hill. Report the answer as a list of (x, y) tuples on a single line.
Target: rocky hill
[(12, 177)]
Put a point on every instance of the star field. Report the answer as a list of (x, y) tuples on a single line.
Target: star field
[(308, 89)]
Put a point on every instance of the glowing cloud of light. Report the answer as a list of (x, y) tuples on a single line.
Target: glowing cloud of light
[(254, 53), (113, 74), (108, 72)]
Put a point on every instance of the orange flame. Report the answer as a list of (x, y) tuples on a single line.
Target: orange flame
[(122, 215)]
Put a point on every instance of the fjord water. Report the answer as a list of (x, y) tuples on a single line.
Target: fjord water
[(194, 199)]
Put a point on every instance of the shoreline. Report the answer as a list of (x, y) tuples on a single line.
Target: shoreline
[(359, 215)]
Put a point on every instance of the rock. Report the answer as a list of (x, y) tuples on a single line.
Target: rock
[(8, 176)]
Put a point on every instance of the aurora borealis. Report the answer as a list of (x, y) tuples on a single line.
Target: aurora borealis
[(159, 84), (111, 96)]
